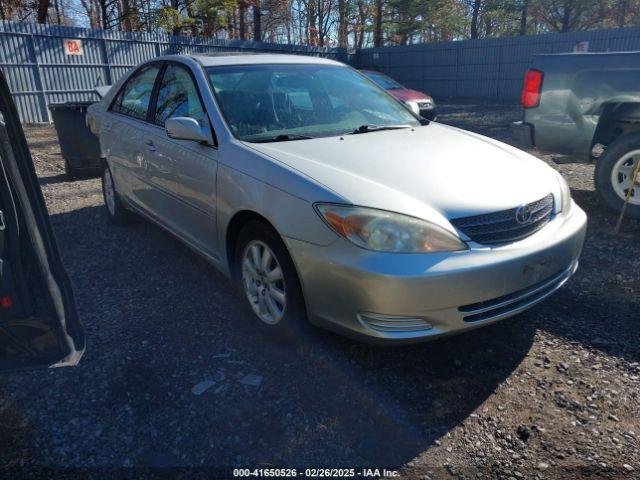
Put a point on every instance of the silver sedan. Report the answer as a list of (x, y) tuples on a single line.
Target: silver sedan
[(329, 200)]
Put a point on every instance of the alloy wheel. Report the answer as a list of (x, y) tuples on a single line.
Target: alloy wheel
[(263, 282)]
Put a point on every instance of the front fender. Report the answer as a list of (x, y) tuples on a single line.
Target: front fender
[(249, 182)]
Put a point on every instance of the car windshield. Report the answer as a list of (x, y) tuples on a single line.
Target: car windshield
[(385, 82), (282, 102)]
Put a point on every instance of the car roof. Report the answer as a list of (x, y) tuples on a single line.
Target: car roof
[(238, 58)]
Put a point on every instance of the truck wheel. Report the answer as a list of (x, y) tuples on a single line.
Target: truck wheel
[(614, 171)]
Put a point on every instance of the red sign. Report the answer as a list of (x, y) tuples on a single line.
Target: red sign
[(581, 47), (73, 47)]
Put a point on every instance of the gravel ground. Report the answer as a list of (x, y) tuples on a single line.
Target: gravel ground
[(551, 393)]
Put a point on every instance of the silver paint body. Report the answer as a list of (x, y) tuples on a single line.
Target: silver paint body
[(434, 172)]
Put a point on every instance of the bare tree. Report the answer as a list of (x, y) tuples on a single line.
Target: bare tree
[(359, 28), (343, 31), (42, 10), (475, 17), (523, 17), (92, 10), (570, 15), (623, 7), (242, 19), (377, 33), (56, 8), (257, 22)]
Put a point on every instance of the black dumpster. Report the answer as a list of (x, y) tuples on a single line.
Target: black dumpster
[(79, 146)]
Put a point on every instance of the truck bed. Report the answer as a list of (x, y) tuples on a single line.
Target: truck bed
[(576, 88)]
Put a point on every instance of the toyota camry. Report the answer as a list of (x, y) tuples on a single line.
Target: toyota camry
[(328, 200)]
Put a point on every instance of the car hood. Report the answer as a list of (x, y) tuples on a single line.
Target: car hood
[(406, 94), (432, 172)]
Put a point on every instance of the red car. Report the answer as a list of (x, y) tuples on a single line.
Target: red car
[(419, 102)]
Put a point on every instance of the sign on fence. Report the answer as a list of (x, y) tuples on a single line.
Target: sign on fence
[(581, 47), (72, 46)]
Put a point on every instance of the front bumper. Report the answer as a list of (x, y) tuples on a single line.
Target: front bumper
[(522, 133), (429, 113), (404, 298)]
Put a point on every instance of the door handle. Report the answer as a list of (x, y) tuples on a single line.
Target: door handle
[(150, 146)]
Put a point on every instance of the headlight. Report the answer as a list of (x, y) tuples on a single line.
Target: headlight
[(565, 195), (413, 106), (384, 231), (427, 103)]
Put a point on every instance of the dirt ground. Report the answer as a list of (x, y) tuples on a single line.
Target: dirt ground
[(551, 393)]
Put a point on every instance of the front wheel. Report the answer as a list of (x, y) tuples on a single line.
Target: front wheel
[(269, 279), (614, 174)]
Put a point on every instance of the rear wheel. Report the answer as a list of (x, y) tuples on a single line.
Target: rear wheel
[(614, 171), (116, 211), (269, 279)]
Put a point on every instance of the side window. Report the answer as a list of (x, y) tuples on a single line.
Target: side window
[(133, 99), (178, 97)]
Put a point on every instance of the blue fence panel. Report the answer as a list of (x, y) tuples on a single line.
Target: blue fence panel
[(39, 73), (491, 68)]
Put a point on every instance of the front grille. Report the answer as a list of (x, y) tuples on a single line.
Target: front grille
[(514, 302), (503, 226)]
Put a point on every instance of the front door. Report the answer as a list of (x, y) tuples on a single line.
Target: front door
[(183, 171)]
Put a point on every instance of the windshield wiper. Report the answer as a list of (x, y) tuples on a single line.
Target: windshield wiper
[(376, 128), (285, 137)]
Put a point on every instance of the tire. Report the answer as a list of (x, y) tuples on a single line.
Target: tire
[(264, 294), (116, 211), (614, 168)]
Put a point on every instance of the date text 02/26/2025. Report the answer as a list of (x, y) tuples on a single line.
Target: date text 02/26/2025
[(316, 472)]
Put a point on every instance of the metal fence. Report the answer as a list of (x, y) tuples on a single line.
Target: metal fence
[(33, 59), (39, 72), (491, 68)]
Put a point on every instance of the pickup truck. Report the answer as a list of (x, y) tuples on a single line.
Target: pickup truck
[(586, 106)]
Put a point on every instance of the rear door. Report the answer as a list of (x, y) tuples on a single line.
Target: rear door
[(123, 127), (182, 171), (39, 326)]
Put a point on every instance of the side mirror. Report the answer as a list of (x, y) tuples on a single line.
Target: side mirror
[(187, 128)]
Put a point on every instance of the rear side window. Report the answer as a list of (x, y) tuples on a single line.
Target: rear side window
[(133, 99), (178, 96)]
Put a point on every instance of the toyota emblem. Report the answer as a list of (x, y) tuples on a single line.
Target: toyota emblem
[(524, 214)]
